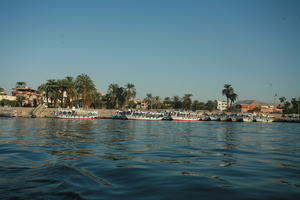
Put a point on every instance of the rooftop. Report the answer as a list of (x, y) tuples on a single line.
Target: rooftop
[(253, 102)]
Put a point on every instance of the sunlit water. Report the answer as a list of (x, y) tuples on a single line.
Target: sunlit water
[(114, 159)]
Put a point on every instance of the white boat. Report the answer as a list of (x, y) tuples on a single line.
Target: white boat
[(223, 117), (121, 115), (184, 116), (263, 118), (213, 118), (234, 117), (247, 118), (149, 116), (74, 114)]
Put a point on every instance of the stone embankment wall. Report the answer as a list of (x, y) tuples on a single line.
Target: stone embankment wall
[(27, 112)]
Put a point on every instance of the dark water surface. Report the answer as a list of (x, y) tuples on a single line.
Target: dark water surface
[(112, 159)]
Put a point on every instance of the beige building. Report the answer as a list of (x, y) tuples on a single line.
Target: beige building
[(3, 96)]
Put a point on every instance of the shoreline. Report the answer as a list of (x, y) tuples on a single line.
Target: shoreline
[(26, 112)]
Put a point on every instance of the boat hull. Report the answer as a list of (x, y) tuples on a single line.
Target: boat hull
[(191, 120), (145, 119), (77, 117)]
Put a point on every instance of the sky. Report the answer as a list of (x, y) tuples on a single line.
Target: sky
[(164, 47)]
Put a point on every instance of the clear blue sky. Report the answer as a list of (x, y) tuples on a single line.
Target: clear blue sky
[(164, 47)]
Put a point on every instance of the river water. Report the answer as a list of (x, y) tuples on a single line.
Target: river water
[(115, 159)]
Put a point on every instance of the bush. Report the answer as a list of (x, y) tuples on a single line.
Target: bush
[(5, 102)]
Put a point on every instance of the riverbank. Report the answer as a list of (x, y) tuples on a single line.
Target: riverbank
[(27, 112), (108, 113)]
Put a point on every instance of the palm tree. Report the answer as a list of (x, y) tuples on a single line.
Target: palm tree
[(177, 103), (121, 96), (282, 99), (71, 90), (112, 95), (227, 91), (149, 100), (53, 91), (167, 102), (86, 87), (233, 97), (42, 89), (187, 102), (97, 101), (21, 84), (62, 87), (130, 91), (157, 102)]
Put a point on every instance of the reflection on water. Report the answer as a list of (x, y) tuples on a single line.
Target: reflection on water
[(115, 159)]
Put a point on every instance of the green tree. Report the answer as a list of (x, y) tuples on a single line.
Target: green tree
[(112, 96), (167, 103), (157, 102), (130, 91), (70, 88), (227, 91), (282, 99), (295, 105), (1, 89), (21, 84), (20, 101), (62, 88), (53, 91), (85, 86), (121, 97), (211, 105), (187, 102), (176, 102), (117, 96), (282, 102), (149, 100), (97, 100), (196, 105), (44, 92), (233, 97)]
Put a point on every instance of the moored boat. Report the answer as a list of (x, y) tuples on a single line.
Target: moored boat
[(184, 116), (150, 116), (263, 118), (74, 114), (120, 114), (247, 118)]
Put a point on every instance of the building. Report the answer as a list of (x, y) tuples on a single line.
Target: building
[(30, 96), (140, 104), (221, 105), (256, 106), (4, 96)]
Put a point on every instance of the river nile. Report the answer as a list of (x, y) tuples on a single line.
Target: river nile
[(115, 159)]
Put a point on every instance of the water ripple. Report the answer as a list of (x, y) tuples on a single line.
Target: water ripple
[(114, 159)]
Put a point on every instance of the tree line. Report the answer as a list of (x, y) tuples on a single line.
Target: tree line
[(81, 92)]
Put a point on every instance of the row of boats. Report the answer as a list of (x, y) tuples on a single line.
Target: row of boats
[(152, 116), (156, 116), (191, 116), (74, 114)]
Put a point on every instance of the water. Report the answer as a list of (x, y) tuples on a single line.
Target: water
[(113, 159)]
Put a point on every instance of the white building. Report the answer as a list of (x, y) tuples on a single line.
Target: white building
[(222, 105)]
